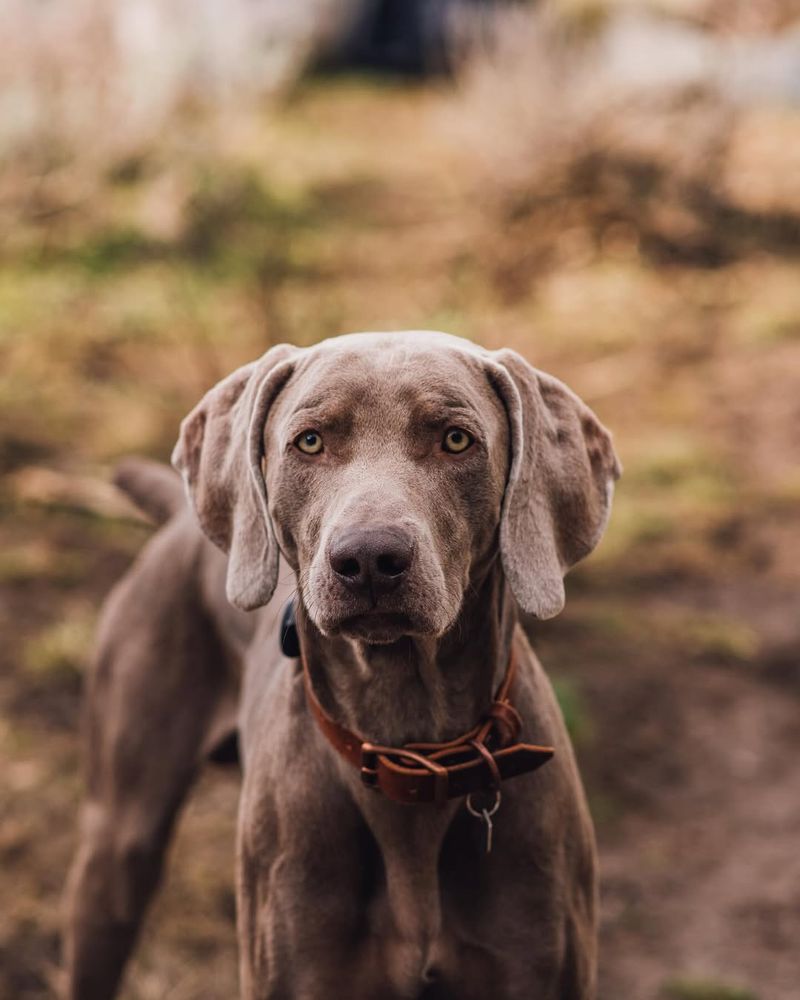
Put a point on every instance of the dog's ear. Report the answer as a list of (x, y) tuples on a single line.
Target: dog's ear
[(219, 454), (560, 482)]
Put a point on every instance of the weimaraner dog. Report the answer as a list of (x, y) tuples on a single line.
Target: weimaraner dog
[(412, 823)]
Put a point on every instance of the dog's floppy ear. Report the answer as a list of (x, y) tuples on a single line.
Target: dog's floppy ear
[(560, 482), (219, 456)]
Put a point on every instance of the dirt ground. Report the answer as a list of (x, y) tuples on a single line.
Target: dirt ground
[(677, 660)]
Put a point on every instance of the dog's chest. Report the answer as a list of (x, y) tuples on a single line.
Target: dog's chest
[(428, 901)]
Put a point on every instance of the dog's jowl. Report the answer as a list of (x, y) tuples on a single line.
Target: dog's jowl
[(412, 823)]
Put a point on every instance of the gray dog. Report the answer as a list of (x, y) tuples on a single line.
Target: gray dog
[(414, 491)]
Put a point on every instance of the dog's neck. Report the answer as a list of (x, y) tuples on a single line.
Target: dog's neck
[(417, 689)]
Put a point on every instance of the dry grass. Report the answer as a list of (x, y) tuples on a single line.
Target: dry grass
[(97, 91), (576, 157)]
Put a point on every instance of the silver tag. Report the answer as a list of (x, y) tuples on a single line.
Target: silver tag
[(485, 815)]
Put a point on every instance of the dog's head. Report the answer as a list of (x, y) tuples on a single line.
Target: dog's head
[(390, 470)]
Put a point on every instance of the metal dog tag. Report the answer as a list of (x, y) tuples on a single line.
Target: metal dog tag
[(486, 816)]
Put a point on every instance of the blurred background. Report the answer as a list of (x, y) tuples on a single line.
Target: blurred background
[(611, 188)]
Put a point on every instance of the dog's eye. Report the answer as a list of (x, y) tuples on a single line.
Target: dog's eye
[(456, 440), (309, 442)]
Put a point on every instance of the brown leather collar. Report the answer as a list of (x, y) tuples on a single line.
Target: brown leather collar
[(434, 772)]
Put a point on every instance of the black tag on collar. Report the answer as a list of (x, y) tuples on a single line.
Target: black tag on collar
[(290, 643)]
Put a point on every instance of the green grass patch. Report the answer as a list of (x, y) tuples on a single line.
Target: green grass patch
[(717, 637), (704, 989), (677, 463), (573, 708), (61, 650), (118, 248), (236, 224)]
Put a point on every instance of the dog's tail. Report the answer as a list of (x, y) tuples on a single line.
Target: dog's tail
[(154, 487)]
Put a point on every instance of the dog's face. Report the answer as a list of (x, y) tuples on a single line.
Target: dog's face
[(385, 465), (390, 470)]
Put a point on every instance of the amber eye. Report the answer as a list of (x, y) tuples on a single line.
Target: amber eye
[(456, 440), (309, 442)]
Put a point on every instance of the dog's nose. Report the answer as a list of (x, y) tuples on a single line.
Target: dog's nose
[(371, 560)]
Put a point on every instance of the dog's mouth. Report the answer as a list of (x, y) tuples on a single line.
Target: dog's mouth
[(377, 627), (380, 620)]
